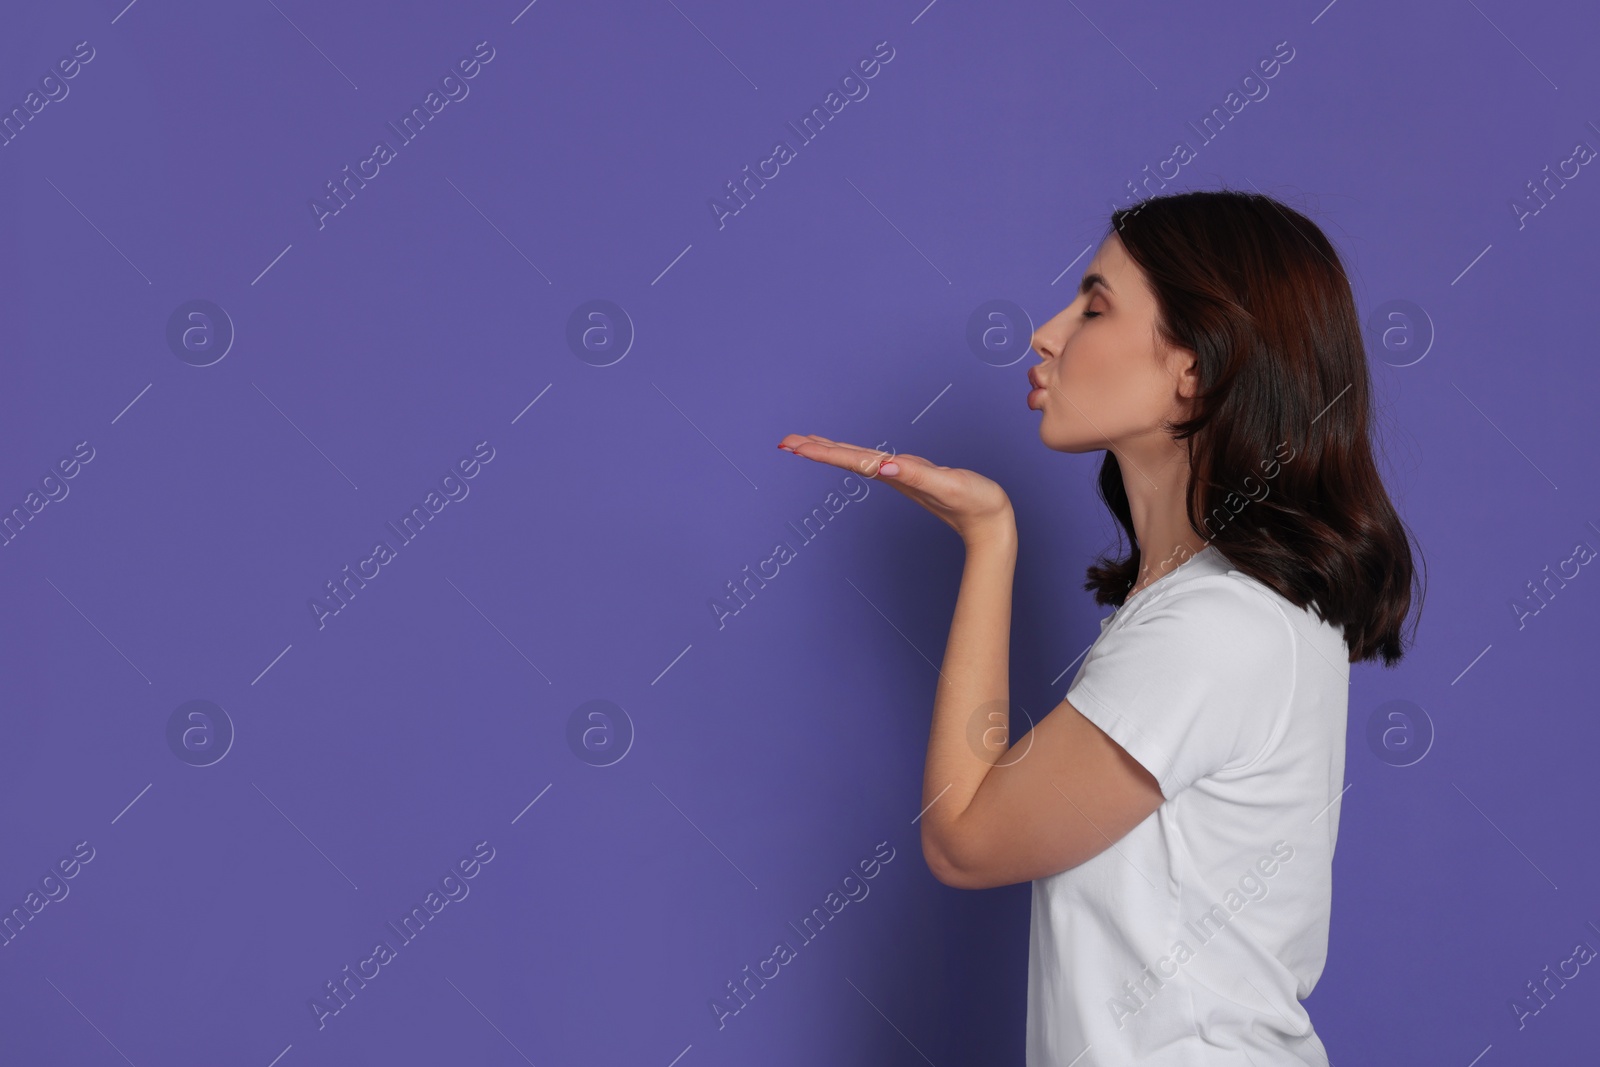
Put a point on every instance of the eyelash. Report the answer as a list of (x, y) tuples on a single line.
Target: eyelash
[(1091, 314)]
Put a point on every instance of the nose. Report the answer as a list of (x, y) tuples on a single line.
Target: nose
[(1049, 339), (1041, 345)]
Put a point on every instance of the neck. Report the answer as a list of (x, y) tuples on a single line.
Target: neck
[(1157, 483)]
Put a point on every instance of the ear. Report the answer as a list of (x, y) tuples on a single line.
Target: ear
[(1185, 369)]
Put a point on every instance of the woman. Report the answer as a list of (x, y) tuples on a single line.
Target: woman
[(1177, 811)]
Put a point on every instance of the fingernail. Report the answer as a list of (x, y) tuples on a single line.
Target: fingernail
[(891, 469)]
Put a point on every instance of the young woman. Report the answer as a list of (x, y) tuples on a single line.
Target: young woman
[(1177, 811)]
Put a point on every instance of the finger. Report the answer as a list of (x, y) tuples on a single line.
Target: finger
[(908, 471), (812, 446), (907, 468), (871, 461), (898, 466), (792, 439), (849, 457), (843, 444), (926, 483), (795, 441)]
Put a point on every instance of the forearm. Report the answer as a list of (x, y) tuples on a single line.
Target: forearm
[(971, 707)]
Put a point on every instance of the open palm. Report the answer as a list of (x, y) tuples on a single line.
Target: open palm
[(966, 501)]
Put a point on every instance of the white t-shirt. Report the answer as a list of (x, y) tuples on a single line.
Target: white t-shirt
[(1192, 940)]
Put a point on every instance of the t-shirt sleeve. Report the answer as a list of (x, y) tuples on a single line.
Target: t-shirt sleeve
[(1194, 682)]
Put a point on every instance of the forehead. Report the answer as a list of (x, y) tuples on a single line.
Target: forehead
[(1112, 263)]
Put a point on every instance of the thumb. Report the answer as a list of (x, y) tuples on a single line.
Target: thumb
[(904, 470)]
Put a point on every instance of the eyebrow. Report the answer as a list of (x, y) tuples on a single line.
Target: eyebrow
[(1092, 280)]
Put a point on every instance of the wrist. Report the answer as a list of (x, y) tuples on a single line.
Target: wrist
[(998, 533)]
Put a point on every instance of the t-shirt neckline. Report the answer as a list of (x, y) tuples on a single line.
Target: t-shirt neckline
[(1132, 597)]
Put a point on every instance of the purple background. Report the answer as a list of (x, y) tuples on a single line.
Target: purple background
[(771, 755)]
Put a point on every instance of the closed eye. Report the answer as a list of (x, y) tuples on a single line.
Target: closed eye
[(1091, 314)]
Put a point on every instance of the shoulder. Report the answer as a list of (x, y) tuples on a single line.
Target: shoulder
[(1223, 609)]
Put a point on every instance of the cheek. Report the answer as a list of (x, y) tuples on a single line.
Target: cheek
[(1095, 377), (1109, 394)]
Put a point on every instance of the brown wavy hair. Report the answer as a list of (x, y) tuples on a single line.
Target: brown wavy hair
[(1282, 477)]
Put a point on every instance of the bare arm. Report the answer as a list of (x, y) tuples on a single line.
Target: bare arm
[(973, 696), (995, 814)]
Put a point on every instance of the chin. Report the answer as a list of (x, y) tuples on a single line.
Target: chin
[(1073, 446)]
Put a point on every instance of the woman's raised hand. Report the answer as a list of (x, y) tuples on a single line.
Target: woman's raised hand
[(973, 506)]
